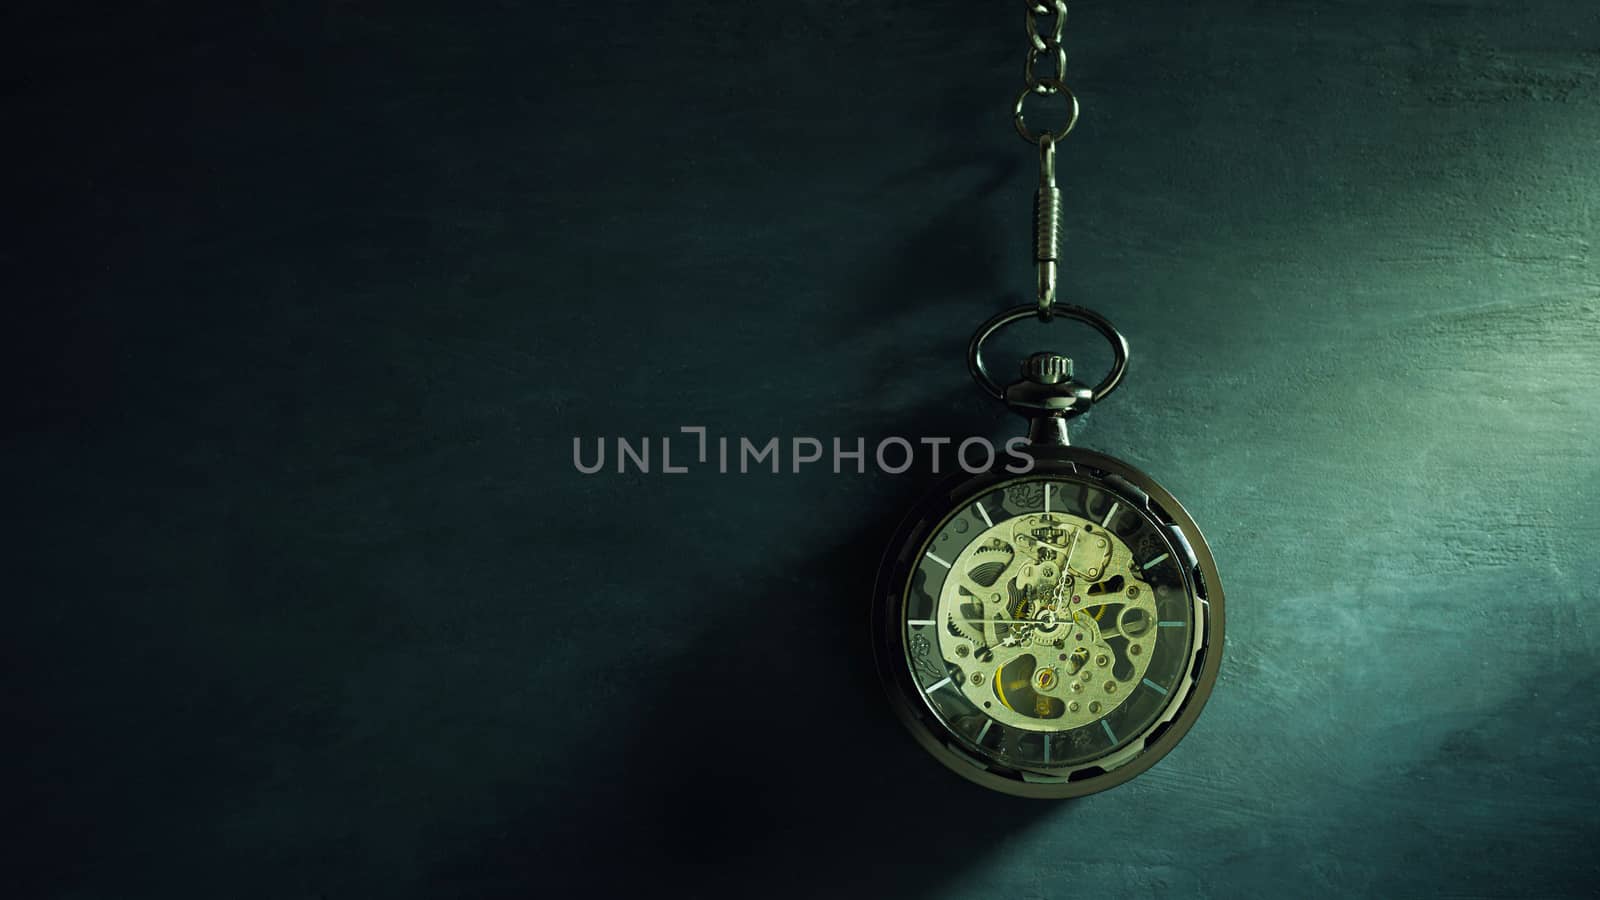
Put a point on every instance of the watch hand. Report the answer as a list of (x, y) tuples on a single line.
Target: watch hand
[(1022, 621)]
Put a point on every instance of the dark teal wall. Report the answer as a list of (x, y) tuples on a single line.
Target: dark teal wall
[(310, 602)]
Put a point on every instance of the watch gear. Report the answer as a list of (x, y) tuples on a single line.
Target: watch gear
[(991, 562), (1048, 622), (960, 627)]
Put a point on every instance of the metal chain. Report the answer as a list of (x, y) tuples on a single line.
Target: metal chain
[(1046, 21), (1044, 41)]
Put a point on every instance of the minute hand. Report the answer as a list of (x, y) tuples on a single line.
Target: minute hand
[(1066, 555), (1060, 592)]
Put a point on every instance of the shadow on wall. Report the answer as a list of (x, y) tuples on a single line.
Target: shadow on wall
[(763, 759)]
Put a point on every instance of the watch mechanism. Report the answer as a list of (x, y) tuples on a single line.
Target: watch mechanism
[(1047, 622)]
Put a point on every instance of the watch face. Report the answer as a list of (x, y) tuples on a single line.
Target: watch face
[(1051, 629)]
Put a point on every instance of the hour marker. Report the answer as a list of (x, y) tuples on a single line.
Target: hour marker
[(919, 621), (985, 513), (1047, 749), (938, 560), (984, 730), (1154, 561), (1109, 733), (1106, 522), (1155, 687), (1047, 497), (1170, 624), (939, 684)]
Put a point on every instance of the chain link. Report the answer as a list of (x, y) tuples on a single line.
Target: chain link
[(1057, 10), (1046, 22), (1032, 78)]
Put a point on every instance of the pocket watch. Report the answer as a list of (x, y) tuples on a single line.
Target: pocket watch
[(1051, 629), (1050, 632)]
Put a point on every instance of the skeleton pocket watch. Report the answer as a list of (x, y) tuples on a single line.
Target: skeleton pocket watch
[(1050, 632)]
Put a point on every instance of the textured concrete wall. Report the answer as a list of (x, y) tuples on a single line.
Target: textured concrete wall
[(314, 604)]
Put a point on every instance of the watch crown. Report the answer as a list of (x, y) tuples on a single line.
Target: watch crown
[(1047, 368)]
